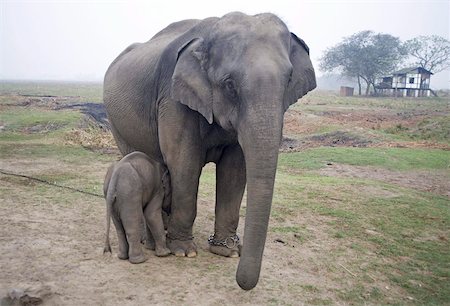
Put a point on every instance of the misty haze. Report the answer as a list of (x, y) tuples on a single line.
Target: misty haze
[(43, 40)]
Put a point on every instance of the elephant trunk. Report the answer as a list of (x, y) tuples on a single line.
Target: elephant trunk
[(260, 141)]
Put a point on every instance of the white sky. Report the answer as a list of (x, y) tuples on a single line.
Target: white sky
[(77, 40)]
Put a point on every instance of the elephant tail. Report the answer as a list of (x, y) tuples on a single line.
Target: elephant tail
[(110, 199)]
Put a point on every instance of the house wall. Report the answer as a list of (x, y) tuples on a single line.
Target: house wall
[(425, 81), (398, 81), (403, 81), (415, 78)]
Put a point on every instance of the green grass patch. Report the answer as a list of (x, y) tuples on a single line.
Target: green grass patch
[(286, 229), (431, 129), (407, 230), (320, 301), (415, 236), (64, 153), (82, 181), (20, 137), (361, 294), (319, 100), (89, 92), (388, 158), (25, 119)]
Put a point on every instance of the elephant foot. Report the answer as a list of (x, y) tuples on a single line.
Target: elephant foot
[(181, 248), (122, 255), (224, 251), (227, 247), (149, 245), (137, 259), (162, 252)]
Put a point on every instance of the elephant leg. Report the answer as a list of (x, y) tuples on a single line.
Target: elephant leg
[(153, 218), (149, 240), (165, 217), (231, 179), (131, 216), (184, 210), (121, 237), (183, 153)]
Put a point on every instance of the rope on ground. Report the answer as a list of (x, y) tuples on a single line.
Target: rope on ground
[(49, 183)]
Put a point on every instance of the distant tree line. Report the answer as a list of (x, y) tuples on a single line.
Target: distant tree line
[(366, 56)]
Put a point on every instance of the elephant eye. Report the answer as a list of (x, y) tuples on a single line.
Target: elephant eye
[(230, 87)]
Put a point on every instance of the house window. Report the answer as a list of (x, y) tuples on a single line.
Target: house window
[(411, 80)]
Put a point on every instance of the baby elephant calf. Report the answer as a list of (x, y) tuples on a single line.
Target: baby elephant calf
[(134, 187)]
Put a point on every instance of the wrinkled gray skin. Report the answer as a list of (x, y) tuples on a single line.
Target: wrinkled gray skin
[(134, 188), (212, 90)]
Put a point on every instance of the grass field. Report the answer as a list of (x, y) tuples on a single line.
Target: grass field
[(361, 211)]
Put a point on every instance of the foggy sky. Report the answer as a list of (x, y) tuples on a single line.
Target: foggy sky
[(77, 40)]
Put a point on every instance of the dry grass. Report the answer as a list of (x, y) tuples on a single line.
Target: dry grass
[(91, 136)]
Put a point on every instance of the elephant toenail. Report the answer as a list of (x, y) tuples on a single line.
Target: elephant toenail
[(234, 254)]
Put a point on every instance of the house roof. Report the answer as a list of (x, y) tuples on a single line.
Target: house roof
[(412, 69)]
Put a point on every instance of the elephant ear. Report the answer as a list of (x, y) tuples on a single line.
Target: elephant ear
[(190, 84), (303, 78)]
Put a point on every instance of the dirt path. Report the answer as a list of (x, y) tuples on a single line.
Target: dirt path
[(58, 244)]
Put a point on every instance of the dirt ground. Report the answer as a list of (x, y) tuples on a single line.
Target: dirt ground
[(56, 250), (52, 249), (355, 129)]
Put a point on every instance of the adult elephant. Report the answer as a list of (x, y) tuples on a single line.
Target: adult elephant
[(212, 90)]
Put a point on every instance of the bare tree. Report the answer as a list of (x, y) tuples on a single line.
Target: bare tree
[(430, 52)]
